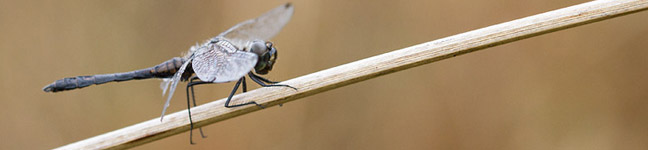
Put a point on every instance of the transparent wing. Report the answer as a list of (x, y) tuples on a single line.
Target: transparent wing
[(174, 82), (165, 85), (262, 28), (221, 62)]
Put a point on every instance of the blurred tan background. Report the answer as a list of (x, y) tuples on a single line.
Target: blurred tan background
[(581, 88)]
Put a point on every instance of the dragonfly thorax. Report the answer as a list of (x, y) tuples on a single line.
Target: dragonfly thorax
[(267, 56)]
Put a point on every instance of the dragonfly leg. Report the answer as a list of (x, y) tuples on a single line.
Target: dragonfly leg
[(190, 85), (244, 85), (261, 80), (258, 80), (236, 86)]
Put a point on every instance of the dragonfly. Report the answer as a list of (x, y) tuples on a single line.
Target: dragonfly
[(244, 49)]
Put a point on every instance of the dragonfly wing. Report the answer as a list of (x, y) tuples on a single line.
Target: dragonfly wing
[(174, 82), (165, 85), (262, 28), (221, 62)]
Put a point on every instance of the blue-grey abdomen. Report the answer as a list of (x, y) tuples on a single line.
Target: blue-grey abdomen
[(163, 70)]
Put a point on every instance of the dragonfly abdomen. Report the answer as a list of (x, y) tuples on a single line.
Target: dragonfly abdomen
[(163, 70)]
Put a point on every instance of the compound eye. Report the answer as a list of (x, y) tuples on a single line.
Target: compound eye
[(258, 48)]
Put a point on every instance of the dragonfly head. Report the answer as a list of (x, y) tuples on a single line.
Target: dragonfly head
[(267, 56)]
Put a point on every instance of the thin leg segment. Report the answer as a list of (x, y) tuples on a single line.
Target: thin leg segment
[(229, 98), (193, 82), (260, 81)]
